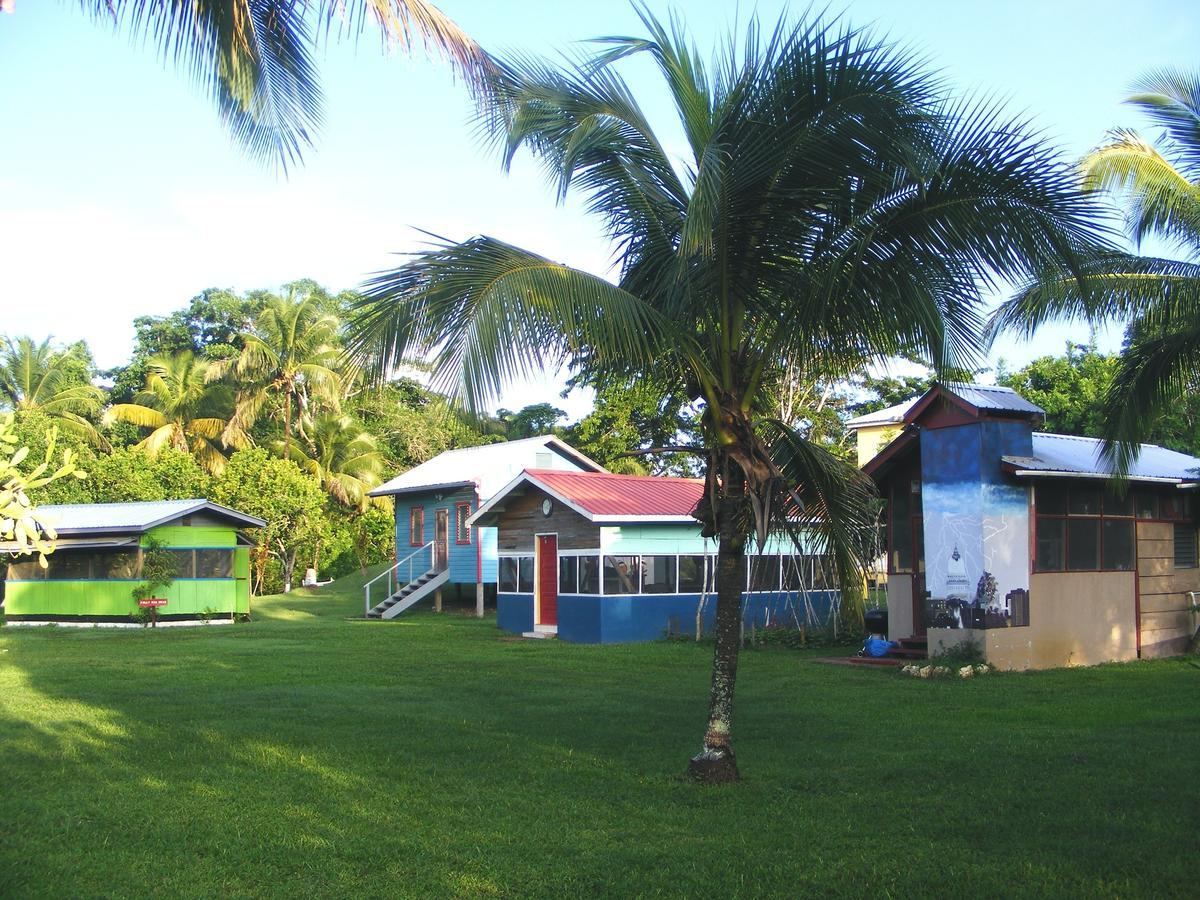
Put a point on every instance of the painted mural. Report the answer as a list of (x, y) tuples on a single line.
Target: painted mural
[(976, 535)]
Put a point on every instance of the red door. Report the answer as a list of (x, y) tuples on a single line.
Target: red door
[(547, 586)]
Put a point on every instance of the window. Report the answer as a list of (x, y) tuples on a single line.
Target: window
[(692, 573), (589, 574), (525, 575), (824, 577), (416, 526), (185, 563), (462, 531), (568, 574), (69, 565), (1185, 546), (214, 563), (1083, 527), (508, 574), (117, 564), (25, 570), (621, 575), (658, 574), (1117, 540), (763, 573)]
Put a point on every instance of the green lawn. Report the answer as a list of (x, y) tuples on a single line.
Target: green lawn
[(311, 755)]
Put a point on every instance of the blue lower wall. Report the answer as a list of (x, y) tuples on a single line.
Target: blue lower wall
[(590, 619), (514, 612)]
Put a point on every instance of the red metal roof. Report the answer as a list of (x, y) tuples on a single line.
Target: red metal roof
[(605, 494)]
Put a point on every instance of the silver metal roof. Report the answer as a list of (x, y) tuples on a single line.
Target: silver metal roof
[(110, 518), (991, 396), (893, 415), (489, 466), (1067, 455)]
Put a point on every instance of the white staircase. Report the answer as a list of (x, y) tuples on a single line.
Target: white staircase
[(425, 573)]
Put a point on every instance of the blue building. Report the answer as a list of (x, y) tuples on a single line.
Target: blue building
[(1022, 542), (602, 558), (436, 546)]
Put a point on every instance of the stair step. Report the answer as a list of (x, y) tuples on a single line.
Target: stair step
[(539, 635)]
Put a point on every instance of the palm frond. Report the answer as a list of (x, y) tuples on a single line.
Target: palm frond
[(1160, 199), (490, 312), (135, 414), (1171, 98)]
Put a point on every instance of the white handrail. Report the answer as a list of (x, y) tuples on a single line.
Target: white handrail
[(394, 570)]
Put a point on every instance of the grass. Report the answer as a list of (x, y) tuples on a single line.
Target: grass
[(309, 754)]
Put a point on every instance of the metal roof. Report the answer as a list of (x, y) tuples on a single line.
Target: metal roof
[(133, 518), (992, 396), (602, 497), (489, 467), (1061, 454), (893, 415)]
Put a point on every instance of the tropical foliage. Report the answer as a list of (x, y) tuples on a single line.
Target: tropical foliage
[(834, 206), (53, 381), (257, 57), (1158, 183)]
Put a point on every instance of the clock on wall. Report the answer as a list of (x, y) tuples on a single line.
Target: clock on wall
[(547, 507)]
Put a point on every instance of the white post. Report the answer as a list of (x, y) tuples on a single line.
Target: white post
[(479, 601)]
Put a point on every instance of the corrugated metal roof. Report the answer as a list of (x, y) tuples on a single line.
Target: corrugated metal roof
[(604, 495), (893, 415), (992, 396), (1082, 456), (85, 518), (490, 466)]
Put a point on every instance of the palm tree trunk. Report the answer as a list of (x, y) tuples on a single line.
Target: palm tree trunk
[(715, 763), (287, 424)]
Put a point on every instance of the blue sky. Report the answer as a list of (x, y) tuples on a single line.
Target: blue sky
[(120, 194)]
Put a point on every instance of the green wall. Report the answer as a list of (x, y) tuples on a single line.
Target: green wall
[(191, 596)]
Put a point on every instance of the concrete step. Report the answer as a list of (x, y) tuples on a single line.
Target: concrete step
[(539, 635)]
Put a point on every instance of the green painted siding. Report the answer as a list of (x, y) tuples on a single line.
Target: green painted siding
[(191, 596), (199, 536)]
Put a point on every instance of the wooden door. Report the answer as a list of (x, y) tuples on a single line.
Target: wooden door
[(547, 575), (920, 604), (441, 539)]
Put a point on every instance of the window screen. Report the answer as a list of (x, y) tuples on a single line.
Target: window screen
[(525, 575), (568, 574), (621, 575), (658, 574), (508, 574), (1185, 546), (214, 563)]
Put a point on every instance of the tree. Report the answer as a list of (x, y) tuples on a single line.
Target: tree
[(55, 381), (256, 56), (38, 432), (20, 522), (184, 410), (343, 457), (1071, 388), (288, 500), (127, 475), (834, 206), (1159, 367), (292, 355), (632, 417), (531, 421)]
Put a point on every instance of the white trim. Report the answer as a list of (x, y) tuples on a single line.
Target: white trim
[(1056, 473)]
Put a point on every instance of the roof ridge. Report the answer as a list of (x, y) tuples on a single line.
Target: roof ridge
[(573, 473)]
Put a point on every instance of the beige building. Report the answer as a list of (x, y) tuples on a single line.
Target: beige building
[(1021, 542)]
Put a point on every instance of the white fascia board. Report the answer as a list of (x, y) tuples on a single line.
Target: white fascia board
[(1044, 473)]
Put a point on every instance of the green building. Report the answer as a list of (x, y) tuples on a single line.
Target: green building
[(98, 558)]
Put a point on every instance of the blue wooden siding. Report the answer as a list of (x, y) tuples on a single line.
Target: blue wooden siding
[(463, 557), (607, 619)]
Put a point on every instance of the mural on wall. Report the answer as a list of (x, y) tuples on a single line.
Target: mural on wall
[(976, 538)]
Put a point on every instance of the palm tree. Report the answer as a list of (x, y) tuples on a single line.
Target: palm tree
[(833, 206), (343, 457), (183, 409), (38, 376), (1160, 186), (256, 56), (292, 356)]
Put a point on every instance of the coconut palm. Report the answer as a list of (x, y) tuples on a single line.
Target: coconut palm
[(343, 457), (183, 409), (291, 358), (1160, 188), (832, 206), (39, 376), (256, 56)]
